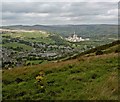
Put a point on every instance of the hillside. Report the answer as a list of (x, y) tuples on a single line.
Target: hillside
[(87, 77), (30, 47), (107, 48), (32, 36)]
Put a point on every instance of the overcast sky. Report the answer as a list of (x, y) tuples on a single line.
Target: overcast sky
[(59, 13)]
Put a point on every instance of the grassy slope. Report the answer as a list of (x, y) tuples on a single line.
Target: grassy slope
[(83, 78)]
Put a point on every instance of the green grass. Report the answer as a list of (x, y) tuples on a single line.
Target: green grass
[(46, 40), (34, 61), (84, 78), (111, 49), (37, 62)]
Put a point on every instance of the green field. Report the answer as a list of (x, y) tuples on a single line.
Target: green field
[(27, 34), (31, 36), (84, 78), (15, 45)]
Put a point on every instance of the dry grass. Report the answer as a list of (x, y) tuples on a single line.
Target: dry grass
[(109, 87)]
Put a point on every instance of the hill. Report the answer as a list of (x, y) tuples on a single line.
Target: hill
[(99, 34), (66, 30), (33, 36), (87, 77)]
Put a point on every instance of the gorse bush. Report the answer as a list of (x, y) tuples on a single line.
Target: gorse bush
[(40, 81)]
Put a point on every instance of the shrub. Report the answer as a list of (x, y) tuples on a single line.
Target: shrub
[(70, 66), (99, 52), (48, 72), (117, 50), (28, 64), (6, 82), (18, 80)]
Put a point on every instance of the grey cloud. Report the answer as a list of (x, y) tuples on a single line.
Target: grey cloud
[(28, 7), (58, 13)]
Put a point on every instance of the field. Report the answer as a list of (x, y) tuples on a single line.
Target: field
[(37, 62), (32, 36), (15, 45), (88, 77)]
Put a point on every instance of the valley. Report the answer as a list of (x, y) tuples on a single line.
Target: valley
[(86, 77), (59, 51), (82, 70), (31, 45)]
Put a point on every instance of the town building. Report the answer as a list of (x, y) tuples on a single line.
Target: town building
[(75, 38)]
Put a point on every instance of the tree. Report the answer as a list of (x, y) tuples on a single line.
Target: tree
[(28, 64)]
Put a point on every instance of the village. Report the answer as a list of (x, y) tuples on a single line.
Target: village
[(18, 56)]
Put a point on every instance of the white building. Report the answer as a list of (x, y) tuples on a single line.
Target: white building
[(75, 38)]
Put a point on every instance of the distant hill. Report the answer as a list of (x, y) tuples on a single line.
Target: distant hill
[(87, 77), (66, 30)]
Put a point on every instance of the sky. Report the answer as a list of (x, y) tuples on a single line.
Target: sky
[(29, 12)]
